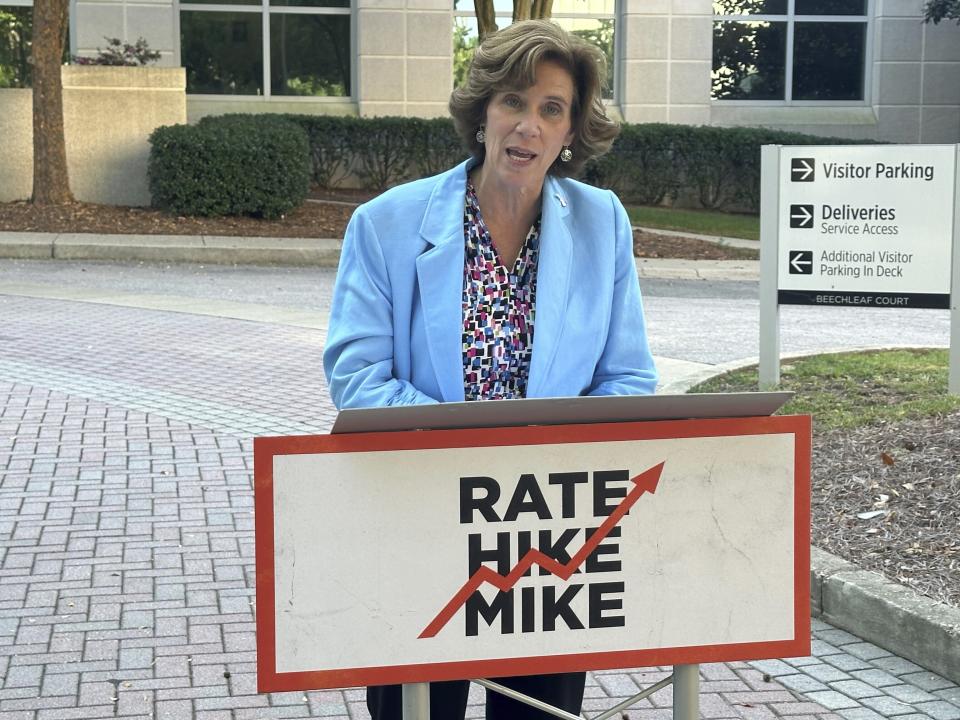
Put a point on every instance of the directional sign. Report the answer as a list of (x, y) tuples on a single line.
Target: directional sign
[(801, 216), (801, 262), (866, 225), (803, 170)]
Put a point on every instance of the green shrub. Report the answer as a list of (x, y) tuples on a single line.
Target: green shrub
[(709, 167), (380, 152), (640, 166), (331, 141), (711, 161), (435, 146), (230, 165), (716, 167)]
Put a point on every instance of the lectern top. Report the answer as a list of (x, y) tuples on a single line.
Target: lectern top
[(559, 411)]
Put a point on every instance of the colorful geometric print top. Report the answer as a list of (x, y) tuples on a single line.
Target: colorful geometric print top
[(498, 311)]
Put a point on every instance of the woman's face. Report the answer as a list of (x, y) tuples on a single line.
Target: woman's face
[(526, 129)]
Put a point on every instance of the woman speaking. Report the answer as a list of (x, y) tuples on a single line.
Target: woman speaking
[(500, 278)]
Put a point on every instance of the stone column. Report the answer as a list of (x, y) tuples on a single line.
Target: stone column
[(405, 57), (916, 75), (666, 60)]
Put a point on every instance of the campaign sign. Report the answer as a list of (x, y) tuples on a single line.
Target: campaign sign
[(435, 555), (866, 225)]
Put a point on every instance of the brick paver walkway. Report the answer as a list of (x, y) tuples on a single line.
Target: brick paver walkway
[(126, 541)]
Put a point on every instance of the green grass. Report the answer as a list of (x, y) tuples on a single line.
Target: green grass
[(853, 389), (703, 222)]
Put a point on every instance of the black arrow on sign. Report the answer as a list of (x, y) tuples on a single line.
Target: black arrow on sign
[(802, 170), (801, 262), (801, 216)]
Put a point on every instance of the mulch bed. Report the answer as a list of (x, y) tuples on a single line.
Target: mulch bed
[(326, 218), (907, 474), (311, 220), (656, 245), (887, 497)]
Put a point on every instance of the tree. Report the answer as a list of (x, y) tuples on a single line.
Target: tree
[(937, 10), (522, 10), (51, 185)]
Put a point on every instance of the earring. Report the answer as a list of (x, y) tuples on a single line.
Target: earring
[(481, 135), (566, 155)]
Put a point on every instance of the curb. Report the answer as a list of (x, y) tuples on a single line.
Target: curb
[(211, 249), (885, 613), (676, 269)]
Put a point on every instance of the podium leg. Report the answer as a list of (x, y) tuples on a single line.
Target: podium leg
[(686, 692), (416, 701)]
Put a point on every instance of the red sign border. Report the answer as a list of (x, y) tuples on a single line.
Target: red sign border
[(266, 448)]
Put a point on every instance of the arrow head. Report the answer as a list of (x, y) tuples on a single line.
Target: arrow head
[(648, 479), (802, 170)]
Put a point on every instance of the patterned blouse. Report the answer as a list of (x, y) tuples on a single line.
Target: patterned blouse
[(498, 311)]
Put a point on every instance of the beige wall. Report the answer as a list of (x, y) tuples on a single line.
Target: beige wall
[(403, 66), (202, 106), (108, 114), (913, 87), (404, 57), (913, 92), (665, 61), (16, 150), (916, 85)]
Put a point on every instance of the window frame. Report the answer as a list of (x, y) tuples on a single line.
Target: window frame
[(617, 42), (791, 19), (266, 10)]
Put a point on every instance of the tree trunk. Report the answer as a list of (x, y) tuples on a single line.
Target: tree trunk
[(51, 186), (521, 10), (486, 18), (542, 9)]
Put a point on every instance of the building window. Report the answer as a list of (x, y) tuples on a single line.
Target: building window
[(285, 48), (16, 39), (789, 50), (16, 34), (593, 20)]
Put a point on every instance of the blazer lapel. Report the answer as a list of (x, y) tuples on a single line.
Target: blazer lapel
[(440, 280), (553, 286)]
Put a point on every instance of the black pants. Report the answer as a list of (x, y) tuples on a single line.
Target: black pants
[(448, 700)]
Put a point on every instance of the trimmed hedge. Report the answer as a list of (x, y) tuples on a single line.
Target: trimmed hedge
[(717, 167), (261, 164), (380, 152), (230, 165)]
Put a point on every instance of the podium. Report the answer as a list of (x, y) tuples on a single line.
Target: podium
[(473, 540)]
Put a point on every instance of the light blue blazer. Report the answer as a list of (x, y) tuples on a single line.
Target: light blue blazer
[(397, 316)]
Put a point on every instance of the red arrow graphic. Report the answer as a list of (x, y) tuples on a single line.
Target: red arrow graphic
[(645, 482)]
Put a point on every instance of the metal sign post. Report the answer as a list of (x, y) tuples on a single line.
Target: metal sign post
[(769, 256), (686, 692), (953, 382), (416, 701)]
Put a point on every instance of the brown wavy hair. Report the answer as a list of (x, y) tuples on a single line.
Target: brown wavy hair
[(507, 60)]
